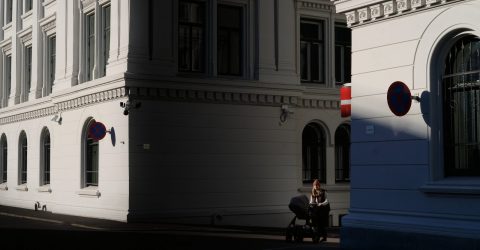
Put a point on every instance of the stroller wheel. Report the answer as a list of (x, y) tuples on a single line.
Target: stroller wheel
[(298, 237), (289, 235)]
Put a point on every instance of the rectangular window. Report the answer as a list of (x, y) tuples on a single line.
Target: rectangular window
[(191, 41), (229, 40), (106, 37), (312, 51), (8, 11), (28, 5), (51, 60), (8, 75), (27, 72), (343, 51), (90, 46)]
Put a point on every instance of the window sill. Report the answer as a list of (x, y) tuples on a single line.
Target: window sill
[(90, 191), (3, 186), (7, 26), (44, 189), (467, 186), (26, 14), (22, 188)]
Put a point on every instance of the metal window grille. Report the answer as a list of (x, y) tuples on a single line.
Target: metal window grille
[(461, 96)]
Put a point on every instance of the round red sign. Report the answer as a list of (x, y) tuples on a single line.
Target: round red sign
[(97, 131), (399, 98)]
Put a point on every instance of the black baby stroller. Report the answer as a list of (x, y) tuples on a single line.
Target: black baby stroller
[(300, 206)]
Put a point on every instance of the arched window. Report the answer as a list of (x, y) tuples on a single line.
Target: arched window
[(342, 153), (22, 159), (3, 158), (45, 157), (90, 151), (313, 152), (461, 116)]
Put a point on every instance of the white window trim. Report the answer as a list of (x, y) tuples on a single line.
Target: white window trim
[(3, 186), (91, 191), (48, 27), (6, 48), (26, 41), (89, 7), (438, 183), (23, 187), (44, 189)]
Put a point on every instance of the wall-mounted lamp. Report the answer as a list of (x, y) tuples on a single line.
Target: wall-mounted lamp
[(129, 105), (285, 112), (57, 118)]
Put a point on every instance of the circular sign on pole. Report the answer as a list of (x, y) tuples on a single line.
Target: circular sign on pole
[(399, 98), (97, 131)]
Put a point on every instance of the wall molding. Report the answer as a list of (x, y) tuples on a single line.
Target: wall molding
[(170, 94), (227, 97), (392, 8)]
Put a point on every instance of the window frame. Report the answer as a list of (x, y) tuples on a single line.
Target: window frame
[(3, 159), (345, 47), (307, 171), (321, 22), (203, 45), (45, 157), (22, 158), (211, 39), (450, 135), (8, 11), (86, 143), (48, 32), (93, 42)]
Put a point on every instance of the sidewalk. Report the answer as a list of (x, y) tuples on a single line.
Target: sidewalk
[(21, 224)]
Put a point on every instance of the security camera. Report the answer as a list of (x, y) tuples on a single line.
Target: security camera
[(129, 105)]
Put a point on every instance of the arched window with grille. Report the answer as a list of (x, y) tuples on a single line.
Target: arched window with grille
[(461, 104), (22, 159), (45, 157), (3, 158), (313, 153), (342, 153)]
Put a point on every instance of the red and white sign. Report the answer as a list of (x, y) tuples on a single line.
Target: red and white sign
[(345, 101)]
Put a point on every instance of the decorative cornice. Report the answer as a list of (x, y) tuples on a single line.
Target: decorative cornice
[(165, 94), (63, 106), (386, 9), (315, 5), (230, 98)]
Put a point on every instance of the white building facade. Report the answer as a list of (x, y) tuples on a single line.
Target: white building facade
[(415, 177), (215, 111)]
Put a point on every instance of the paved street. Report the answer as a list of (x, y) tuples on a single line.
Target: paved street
[(28, 229)]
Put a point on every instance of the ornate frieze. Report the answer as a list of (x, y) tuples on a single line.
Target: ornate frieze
[(172, 95), (229, 97), (366, 14), (316, 5)]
